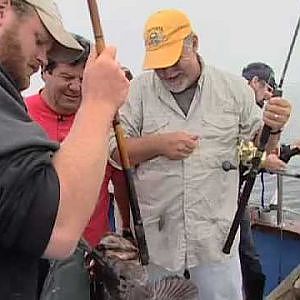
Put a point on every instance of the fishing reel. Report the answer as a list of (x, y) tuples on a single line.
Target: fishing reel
[(247, 151)]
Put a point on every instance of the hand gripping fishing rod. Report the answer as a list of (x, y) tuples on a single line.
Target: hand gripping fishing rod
[(228, 166), (121, 143), (256, 160)]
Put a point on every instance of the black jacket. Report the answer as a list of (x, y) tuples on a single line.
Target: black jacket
[(29, 194)]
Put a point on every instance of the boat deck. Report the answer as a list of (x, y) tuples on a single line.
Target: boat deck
[(278, 247)]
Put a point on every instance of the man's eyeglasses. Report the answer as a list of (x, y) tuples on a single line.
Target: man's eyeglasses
[(267, 86)]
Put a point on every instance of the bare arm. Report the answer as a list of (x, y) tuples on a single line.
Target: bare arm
[(140, 149), (174, 145), (80, 162)]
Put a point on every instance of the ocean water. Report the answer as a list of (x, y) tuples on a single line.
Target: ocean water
[(291, 186)]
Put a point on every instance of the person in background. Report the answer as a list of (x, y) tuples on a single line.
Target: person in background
[(47, 191), (261, 78), (182, 120), (54, 108)]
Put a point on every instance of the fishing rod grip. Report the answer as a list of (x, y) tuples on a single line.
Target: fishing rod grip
[(96, 24), (233, 230), (239, 213), (277, 92), (266, 131), (137, 219), (121, 142), (133, 199), (264, 137)]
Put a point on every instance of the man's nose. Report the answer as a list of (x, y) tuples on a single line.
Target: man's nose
[(75, 85), (168, 72)]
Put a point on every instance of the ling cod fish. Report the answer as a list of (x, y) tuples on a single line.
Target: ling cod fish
[(116, 265)]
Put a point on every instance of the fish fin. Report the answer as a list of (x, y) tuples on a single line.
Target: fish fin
[(172, 288)]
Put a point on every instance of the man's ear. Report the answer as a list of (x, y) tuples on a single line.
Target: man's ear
[(4, 6), (195, 42), (254, 81)]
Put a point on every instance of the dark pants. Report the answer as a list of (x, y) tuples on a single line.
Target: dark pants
[(253, 277), (43, 272), (111, 213)]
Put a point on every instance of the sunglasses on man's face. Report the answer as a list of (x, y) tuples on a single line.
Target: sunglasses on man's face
[(267, 86)]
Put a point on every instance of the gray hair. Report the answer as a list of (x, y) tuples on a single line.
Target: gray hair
[(188, 40)]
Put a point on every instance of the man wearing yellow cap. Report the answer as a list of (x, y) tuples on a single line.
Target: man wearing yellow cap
[(183, 119), (47, 192)]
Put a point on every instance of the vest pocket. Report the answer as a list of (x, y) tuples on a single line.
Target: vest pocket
[(155, 122)]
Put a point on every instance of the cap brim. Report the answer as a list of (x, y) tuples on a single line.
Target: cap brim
[(65, 48), (163, 57)]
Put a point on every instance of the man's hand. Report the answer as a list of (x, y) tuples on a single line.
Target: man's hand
[(104, 81), (277, 112), (178, 145), (273, 163)]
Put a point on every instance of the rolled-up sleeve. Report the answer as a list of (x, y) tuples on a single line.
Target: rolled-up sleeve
[(250, 115)]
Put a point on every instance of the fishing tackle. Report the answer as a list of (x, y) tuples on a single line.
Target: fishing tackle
[(256, 159)]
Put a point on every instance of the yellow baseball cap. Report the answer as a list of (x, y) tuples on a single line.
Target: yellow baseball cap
[(164, 34), (65, 48)]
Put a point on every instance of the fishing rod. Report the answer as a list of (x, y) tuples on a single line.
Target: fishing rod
[(289, 54), (227, 166), (292, 152), (121, 144), (257, 159)]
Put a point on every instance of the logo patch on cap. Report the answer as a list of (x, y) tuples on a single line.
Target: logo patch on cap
[(155, 38)]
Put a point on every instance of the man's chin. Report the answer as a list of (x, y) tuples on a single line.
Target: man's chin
[(175, 87)]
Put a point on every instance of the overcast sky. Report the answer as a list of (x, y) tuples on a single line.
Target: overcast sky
[(232, 33)]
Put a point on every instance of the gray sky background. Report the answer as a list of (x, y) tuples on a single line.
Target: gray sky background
[(232, 33)]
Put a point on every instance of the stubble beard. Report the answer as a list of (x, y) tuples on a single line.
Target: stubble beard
[(177, 87), (12, 58)]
